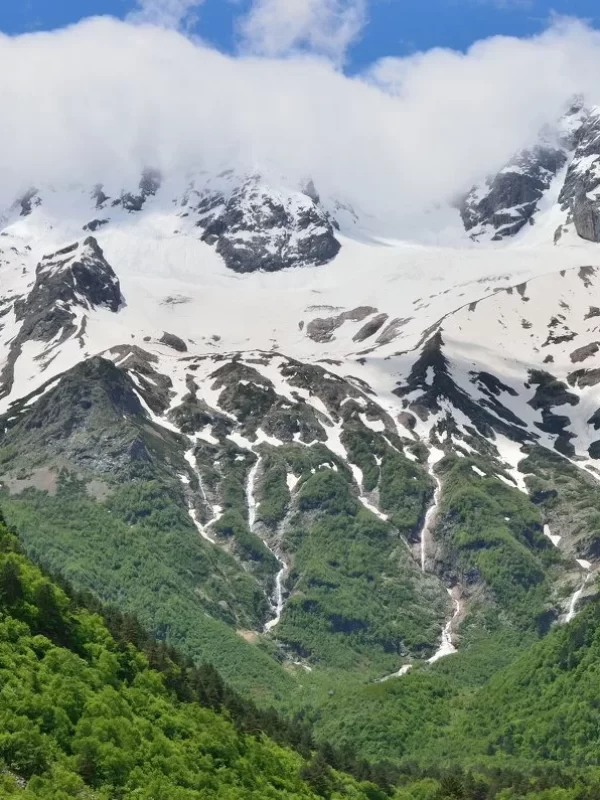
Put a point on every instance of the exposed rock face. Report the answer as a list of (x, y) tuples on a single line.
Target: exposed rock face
[(580, 195), (193, 415), (582, 378), (28, 201), (77, 275), (431, 382), (75, 279), (586, 217), (257, 228), (153, 386), (92, 416), (510, 199), (95, 224), (370, 328), (149, 185), (392, 330), (550, 393)]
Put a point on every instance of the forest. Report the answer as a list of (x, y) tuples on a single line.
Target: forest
[(92, 706)]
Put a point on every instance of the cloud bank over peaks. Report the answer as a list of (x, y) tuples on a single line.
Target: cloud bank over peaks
[(411, 135)]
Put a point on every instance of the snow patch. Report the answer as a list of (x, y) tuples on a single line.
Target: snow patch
[(554, 539), (375, 425)]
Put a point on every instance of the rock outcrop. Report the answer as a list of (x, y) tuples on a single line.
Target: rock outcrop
[(255, 227)]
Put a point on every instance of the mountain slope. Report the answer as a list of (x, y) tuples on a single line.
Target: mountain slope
[(299, 451), (247, 445), (86, 715)]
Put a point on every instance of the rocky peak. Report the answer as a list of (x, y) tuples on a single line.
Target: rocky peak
[(580, 196), (256, 227), (150, 183), (432, 389), (92, 385), (27, 202), (76, 275), (91, 415), (68, 283), (509, 200)]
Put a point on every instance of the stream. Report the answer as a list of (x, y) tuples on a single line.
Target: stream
[(586, 568), (277, 598), (430, 516), (202, 529), (577, 595), (446, 647)]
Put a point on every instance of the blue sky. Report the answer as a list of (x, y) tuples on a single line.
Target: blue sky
[(395, 27)]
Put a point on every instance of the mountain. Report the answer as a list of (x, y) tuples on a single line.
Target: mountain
[(314, 457)]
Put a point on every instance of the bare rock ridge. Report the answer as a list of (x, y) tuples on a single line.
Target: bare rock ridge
[(322, 329), (77, 274), (86, 417), (174, 342), (149, 185)]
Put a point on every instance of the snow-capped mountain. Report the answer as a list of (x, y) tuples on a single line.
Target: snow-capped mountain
[(553, 179), (226, 326)]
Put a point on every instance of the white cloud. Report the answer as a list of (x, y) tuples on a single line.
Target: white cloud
[(276, 27), (412, 133), (166, 13)]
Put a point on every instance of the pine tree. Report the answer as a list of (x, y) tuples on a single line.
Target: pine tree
[(318, 776), (11, 589)]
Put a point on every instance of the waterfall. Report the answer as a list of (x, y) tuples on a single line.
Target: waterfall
[(585, 565), (447, 647), (430, 517), (277, 598)]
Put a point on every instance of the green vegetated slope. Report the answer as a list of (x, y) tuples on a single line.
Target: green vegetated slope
[(491, 534), (358, 599), (146, 557), (489, 541), (567, 496), (112, 517), (544, 708), (533, 724), (84, 715), (94, 489), (92, 486)]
